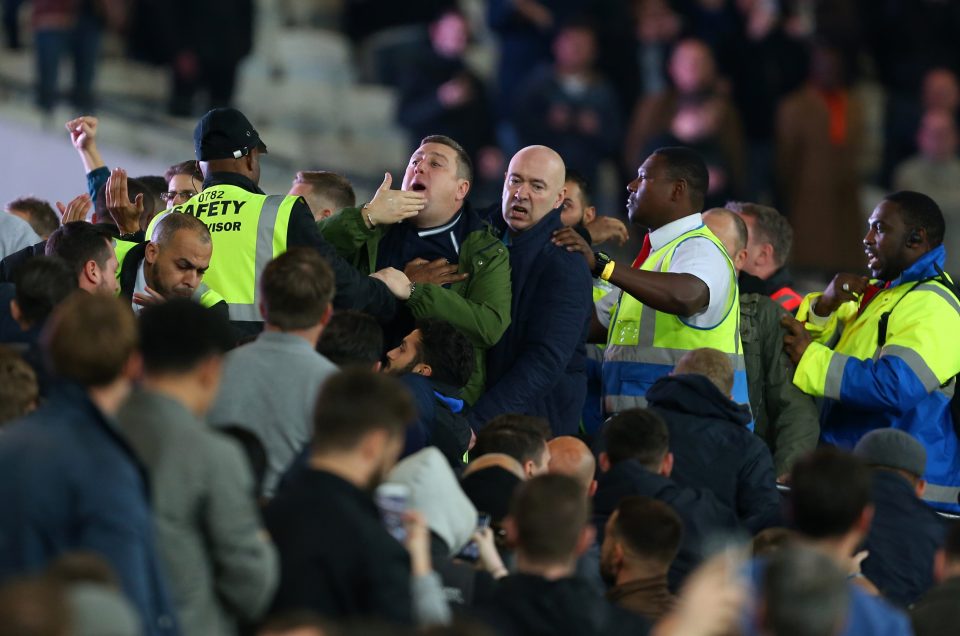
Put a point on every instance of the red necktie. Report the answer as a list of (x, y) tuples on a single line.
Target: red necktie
[(644, 252), (868, 295)]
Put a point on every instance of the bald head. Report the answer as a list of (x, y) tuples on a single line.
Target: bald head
[(571, 457), (710, 363), (731, 229), (533, 186)]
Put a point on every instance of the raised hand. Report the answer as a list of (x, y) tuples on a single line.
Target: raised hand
[(605, 228), (125, 213), (83, 131), (392, 206), (76, 210)]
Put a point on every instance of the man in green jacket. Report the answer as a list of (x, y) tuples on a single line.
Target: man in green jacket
[(784, 417), (458, 269)]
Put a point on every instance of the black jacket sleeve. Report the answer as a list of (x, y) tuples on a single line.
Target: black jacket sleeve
[(354, 290)]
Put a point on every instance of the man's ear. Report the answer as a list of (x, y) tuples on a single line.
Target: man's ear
[(327, 315), (592, 490), (679, 187), (133, 369), (17, 314), (423, 369), (560, 197), (765, 257), (463, 188), (91, 272), (529, 468), (151, 253), (326, 213), (604, 462), (866, 518), (666, 466), (588, 536), (377, 366), (510, 529), (589, 214), (920, 488)]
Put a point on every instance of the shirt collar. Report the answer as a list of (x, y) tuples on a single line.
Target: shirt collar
[(663, 235)]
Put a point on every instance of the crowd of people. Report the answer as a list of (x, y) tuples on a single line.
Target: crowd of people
[(225, 411)]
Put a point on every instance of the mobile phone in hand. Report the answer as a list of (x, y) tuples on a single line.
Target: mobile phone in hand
[(391, 500), (471, 551)]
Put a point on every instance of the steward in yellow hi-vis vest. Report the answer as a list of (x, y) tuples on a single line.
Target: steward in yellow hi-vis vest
[(250, 228), (681, 293), (885, 352)]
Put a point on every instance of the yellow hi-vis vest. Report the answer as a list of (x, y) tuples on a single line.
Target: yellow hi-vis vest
[(644, 344), (248, 231)]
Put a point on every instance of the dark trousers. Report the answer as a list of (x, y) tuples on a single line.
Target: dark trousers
[(11, 26), (217, 77), (83, 42)]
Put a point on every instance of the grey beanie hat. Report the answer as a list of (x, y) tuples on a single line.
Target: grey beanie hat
[(892, 448)]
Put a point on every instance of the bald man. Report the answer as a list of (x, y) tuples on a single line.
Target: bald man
[(571, 457), (537, 367), (784, 417)]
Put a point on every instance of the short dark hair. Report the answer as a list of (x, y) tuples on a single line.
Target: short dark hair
[(522, 437), (18, 385), (464, 164), (650, 528), (42, 283), (920, 211), (351, 337), (772, 227), (638, 434), (89, 338), (829, 491), (297, 289), (354, 402), (575, 176), (804, 593), (168, 346), (170, 224), (41, 216), (550, 512), (190, 168), (447, 351), (78, 243), (334, 187), (685, 164)]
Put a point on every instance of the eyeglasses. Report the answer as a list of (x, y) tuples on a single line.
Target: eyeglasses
[(173, 194)]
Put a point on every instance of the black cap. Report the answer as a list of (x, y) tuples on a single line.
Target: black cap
[(225, 133)]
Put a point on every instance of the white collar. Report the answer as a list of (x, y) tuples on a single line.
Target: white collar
[(663, 235)]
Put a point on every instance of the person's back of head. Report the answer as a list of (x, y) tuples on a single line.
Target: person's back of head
[(643, 537), (830, 494), (771, 540), (326, 193), (352, 338), (894, 450), (732, 231), (571, 457), (637, 434), (297, 287), (681, 163), (86, 250), (804, 593), (920, 212), (19, 393), (38, 213), (446, 351), (167, 227), (355, 403), (711, 364), (90, 339), (548, 520), (768, 226), (522, 437), (191, 355), (150, 190), (42, 283)]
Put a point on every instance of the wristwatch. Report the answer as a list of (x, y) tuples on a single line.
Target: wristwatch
[(601, 260)]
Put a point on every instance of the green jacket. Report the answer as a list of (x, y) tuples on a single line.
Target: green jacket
[(784, 417), (479, 306)]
